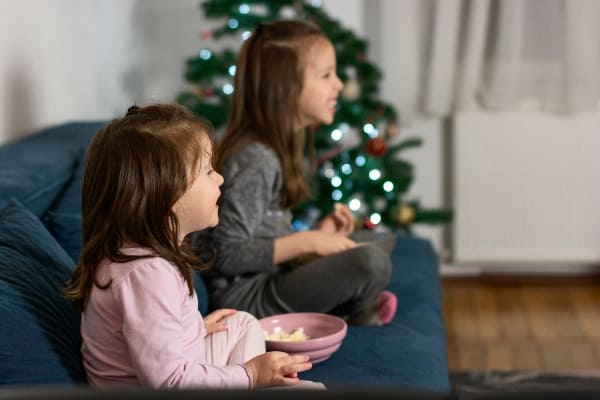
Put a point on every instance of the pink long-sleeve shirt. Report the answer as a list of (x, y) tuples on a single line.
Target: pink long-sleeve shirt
[(145, 329)]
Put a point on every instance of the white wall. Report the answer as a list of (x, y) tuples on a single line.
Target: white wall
[(90, 59), (527, 188)]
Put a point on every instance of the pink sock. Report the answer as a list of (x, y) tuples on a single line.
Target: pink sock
[(386, 306)]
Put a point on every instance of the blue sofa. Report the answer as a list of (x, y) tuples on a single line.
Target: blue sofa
[(40, 178)]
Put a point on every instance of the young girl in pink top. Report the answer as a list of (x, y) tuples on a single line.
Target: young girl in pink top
[(148, 183)]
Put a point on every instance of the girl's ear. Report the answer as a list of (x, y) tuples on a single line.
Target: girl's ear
[(175, 208)]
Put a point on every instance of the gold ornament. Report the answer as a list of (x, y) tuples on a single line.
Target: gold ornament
[(197, 90), (351, 90), (393, 130), (405, 214)]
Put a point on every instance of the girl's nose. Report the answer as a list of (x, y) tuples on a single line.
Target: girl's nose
[(340, 84), (220, 179)]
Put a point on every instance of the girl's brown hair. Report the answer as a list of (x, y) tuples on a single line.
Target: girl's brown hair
[(136, 168), (265, 104)]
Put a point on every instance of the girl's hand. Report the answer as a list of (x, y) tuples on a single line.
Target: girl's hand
[(325, 243), (276, 368), (340, 220), (212, 321)]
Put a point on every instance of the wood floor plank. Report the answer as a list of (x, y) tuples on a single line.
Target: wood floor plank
[(586, 301), (488, 320), (500, 357), (463, 323), (514, 323), (584, 356), (471, 356), (453, 351), (551, 313), (529, 327), (527, 356)]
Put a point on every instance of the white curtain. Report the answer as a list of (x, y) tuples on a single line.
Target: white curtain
[(496, 55)]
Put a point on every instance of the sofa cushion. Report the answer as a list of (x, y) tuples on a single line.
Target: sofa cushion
[(66, 229), (35, 184), (63, 220), (40, 337), (69, 200), (35, 169)]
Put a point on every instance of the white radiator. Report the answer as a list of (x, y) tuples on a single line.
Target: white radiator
[(526, 188)]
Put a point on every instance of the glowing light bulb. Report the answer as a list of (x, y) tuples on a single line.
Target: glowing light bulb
[(346, 169), (228, 88), (336, 135), (375, 218), (233, 23), (205, 54), (370, 130), (374, 174), (244, 8), (354, 204)]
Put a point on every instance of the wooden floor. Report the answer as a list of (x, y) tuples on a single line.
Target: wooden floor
[(550, 325)]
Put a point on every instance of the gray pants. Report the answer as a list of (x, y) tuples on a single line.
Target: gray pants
[(344, 284)]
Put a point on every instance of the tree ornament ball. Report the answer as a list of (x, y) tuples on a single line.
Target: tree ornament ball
[(405, 215), (351, 90), (368, 224), (206, 34), (376, 147), (393, 131), (197, 90)]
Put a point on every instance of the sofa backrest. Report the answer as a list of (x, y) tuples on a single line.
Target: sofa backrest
[(36, 169), (39, 335)]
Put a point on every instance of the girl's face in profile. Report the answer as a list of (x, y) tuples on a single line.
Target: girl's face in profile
[(321, 85), (197, 209)]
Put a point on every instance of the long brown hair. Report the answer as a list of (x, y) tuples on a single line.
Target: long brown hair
[(136, 168), (265, 104)]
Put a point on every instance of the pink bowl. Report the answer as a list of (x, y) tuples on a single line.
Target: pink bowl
[(326, 334)]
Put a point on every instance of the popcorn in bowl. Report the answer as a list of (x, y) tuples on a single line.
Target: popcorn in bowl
[(316, 335), (278, 334)]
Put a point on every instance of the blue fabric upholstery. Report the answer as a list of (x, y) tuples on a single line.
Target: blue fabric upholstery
[(63, 219), (39, 333), (34, 174), (66, 229)]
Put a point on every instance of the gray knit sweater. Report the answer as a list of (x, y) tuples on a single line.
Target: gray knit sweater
[(250, 216)]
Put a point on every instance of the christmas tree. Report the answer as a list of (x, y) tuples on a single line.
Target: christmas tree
[(359, 156)]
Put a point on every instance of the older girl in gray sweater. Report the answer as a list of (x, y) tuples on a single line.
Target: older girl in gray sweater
[(286, 82)]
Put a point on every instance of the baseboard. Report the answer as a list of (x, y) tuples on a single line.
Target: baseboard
[(490, 269)]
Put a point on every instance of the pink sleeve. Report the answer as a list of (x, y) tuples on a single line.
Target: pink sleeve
[(155, 330)]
